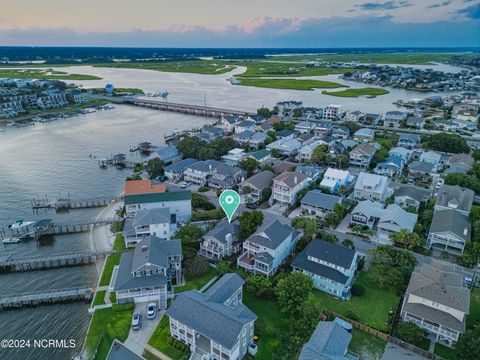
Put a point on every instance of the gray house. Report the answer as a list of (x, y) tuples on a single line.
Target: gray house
[(449, 231), (220, 241), (454, 197), (252, 188), (319, 204), (437, 301), (215, 324), (148, 273), (146, 222), (409, 195), (329, 341)]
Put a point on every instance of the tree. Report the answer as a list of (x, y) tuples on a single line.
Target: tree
[(249, 165), (468, 345), (260, 286), (249, 222), (342, 161), (451, 143), (329, 237), (358, 290), (201, 202), (392, 256), (407, 239), (195, 266), (264, 111), (154, 168), (385, 276), (471, 255), (409, 332), (319, 155), (190, 234), (292, 291), (348, 243), (476, 155)]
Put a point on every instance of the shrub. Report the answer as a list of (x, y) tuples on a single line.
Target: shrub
[(409, 332), (196, 266), (203, 189), (351, 315), (358, 290)]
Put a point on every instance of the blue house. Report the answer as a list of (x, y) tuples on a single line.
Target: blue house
[(266, 250), (168, 154), (391, 166), (332, 267)]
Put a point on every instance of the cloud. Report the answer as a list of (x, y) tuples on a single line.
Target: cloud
[(471, 12), (388, 5), (439, 5), (370, 31)]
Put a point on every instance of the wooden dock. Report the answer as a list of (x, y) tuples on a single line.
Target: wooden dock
[(62, 203), (46, 297), (118, 160), (9, 263)]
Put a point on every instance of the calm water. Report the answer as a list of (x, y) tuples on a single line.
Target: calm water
[(55, 158)]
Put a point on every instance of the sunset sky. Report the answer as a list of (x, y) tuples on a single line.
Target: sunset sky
[(246, 23)]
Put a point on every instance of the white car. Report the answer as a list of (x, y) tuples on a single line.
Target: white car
[(151, 311), (136, 322)]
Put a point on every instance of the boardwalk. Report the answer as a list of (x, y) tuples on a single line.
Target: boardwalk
[(66, 203), (46, 297), (12, 264)]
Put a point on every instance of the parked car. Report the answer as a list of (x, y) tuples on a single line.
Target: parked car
[(136, 322), (151, 311)]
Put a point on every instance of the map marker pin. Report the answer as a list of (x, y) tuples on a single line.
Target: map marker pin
[(229, 201)]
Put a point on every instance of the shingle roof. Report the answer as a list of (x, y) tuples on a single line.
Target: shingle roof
[(261, 180), (180, 165), (260, 154), (214, 320), (365, 148), (273, 235), (318, 199), (224, 288), (455, 195), (222, 229), (421, 166), (413, 192), (453, 221), (291, 178), (151, 216)]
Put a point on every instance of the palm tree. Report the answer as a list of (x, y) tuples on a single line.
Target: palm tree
[(348, 243), (407, 239)]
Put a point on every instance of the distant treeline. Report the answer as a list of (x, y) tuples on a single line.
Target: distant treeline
[(70, 55)]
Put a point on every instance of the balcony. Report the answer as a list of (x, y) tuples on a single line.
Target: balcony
[(246, 261)]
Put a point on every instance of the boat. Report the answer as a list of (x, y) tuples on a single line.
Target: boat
[(11, 240), (20, 224)]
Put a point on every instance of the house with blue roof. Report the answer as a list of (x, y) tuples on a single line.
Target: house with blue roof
[(168, 154), (267, 249), (212, 133), (262, 156), (175, 171), (214, 324), (329, 341), (245, 125), (391, 166), (285, 134), (332, 267)]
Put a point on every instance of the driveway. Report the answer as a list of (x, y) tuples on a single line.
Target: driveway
[(138, 340)]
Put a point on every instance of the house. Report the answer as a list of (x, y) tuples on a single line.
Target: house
[(168, 154), (228, 122), (460, 163), (333, 179), (267, 249), (449, 231), (149, 222), (454, 197), (285, 146), (371, 187), (306, 138), (421, 171), (329, 341), (437, 301), (287, 185), (141, 194), (259, 119), (333, 112), (262, 156), (199, 173), (220, 241), (409, 195), (364, 135), (323, 129), (233, 157), (362, 155), (401, 152), (245, 125), (394, 118), (371, 118), (367, 213), (304, 127), (257, 138), (416, 122), (285, 106), (319, 204), (285, 134), (313, 171), (431, 157), (214, 324), (355, 116), (226, 177), (341, 132), (332, 267), (391, 166), (175, 171), (392, 220), (305, 152), (252, 188), (409, 141), (148, 273), (469, 112), (211, 133)]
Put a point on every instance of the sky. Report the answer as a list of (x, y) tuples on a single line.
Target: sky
[(241, 23)]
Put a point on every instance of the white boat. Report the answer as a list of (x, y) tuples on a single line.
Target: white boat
[(20, 224), (11, 240)]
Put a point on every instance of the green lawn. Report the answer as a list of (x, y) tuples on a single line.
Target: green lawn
[(293, 84), (196, 283), (206, 67), (130, 90), (44, 74), (99, 298), (269, 322), (445, 352), (119, 243), (112, 260), (425, 344), (372, 308), (368, 92), (368, 347), (159, 341), (474, 317), (112, 323)]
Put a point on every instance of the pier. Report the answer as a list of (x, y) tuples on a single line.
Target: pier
[(9, 263), (144, 147), (46, 297), (189, 109), (118, 160), (66, 203)]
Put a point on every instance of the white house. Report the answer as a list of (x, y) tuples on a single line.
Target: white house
[(287, 185), (333, 179), (371, 187)]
